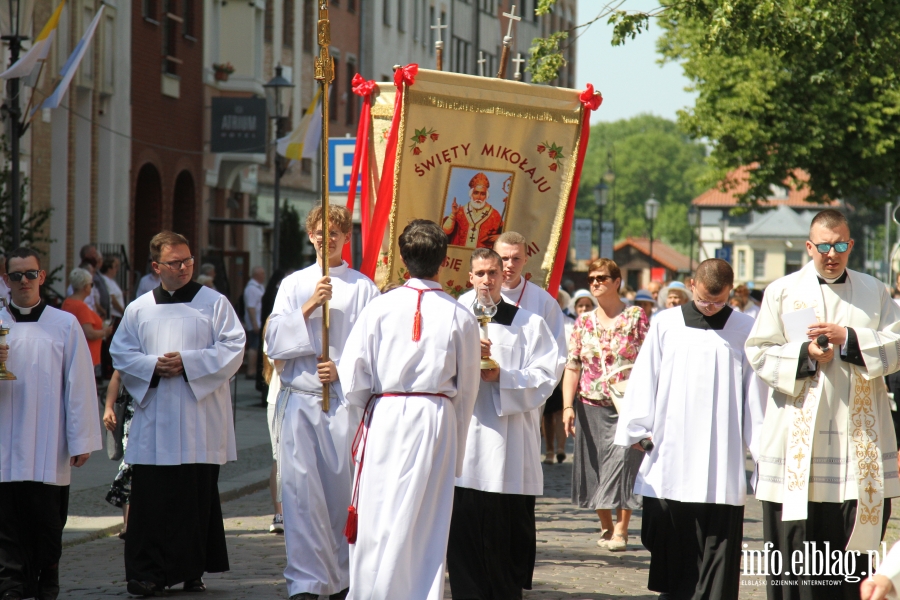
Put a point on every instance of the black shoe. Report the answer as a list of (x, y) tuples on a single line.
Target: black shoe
[(145, 588), (341, 595), (304, 596), (48, 584), (12, 595), (560, 457), (195, 585)]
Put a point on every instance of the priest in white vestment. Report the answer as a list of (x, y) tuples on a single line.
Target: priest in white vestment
[(49, 422), (493, 535), (518, 291), (693, 392), (177, 347), (314, 446), (828, 457), (413, 362)]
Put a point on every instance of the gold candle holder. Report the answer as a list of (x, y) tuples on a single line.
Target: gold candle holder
[(486, 363), (4, 374)]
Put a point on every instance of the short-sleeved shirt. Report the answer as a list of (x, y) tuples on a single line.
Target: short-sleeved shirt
[(84, 314), (114, 292), (597, 350), (253, 294)]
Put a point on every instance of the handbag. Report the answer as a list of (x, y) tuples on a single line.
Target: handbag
[(115, 449), (617, 390)]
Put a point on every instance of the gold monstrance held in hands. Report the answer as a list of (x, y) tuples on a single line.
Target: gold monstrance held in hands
[(325, 75), (485, 309), (6, 323)]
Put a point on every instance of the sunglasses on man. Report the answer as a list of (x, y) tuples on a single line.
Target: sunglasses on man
[(839, 247), (17, 276)]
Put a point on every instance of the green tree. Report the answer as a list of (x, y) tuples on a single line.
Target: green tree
[(32, 223), (651, 157), (808, 84)]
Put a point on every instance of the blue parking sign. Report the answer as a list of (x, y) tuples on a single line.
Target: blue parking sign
[(340, 164)]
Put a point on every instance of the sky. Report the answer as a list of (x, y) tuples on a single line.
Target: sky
[(628, 76)]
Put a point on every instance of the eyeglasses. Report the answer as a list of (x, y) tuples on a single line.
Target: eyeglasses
[(332, 235), (706, 303), (177, 265), (599, 279), (31, 274), (839, 247)]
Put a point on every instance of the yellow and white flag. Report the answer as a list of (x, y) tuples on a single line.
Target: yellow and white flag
[(303, 141), (39, 50), (68, 70)]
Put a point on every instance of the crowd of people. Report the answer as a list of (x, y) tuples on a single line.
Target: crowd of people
[(413, 446)]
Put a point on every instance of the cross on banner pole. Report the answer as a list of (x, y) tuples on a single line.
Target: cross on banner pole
[(324, 74), (481, 60), (439, 44), (507, 41), (518, 60)]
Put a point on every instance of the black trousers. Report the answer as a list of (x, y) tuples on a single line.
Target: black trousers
[(491, 550), (830, 522), (32, 517), (695, 548), (175, 528)]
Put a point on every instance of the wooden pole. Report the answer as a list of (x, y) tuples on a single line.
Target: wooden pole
[(507, 42), (325, 75)]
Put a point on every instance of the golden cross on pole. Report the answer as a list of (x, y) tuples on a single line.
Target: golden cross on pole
[(439, 44), (324, 74), (507, 40)]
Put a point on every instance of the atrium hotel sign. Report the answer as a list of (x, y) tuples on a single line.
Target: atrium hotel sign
[(238, 125)]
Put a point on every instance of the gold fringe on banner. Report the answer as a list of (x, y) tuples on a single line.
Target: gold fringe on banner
[(495, 108)]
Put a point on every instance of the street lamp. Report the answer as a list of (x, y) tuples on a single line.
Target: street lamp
[(601, 194), (693, 217), (651, 210), (278, 103), (11, 20)]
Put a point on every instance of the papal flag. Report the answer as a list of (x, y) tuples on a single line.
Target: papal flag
[(68, 70), (303, 141), (39, 50)]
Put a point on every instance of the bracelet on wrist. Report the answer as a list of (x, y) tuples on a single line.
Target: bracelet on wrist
[(568, 408)]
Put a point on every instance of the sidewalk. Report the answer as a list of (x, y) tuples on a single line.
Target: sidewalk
[(91, 517)]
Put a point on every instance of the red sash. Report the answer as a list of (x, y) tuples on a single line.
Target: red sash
[(359, 445)]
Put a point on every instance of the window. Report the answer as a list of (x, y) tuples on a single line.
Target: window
[(87, 63), (416, 19), (287, 29), (742, 264), (351, 6), (430, 30), (759, 264), (460, 55), (269, 30), (351, 97), (309, 26), (739, 218), (386, 12), (109, 28), (187, 26), (401, 15), (336, 3), (793, 261), (334, 91), (150, 10), (170, 37)]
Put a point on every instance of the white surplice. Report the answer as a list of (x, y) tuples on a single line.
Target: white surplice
[(415, 443), (534, 298), (503, 448), (694, 392), (314, 460), (828, 437), (177, 421), (50, 412), (890, 568)]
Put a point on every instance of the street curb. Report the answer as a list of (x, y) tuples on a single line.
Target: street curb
[(233, 491)]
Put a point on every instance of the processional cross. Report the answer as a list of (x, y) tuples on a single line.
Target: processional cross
[(439, 44), (507, 40), (481, 60), (518, 60)]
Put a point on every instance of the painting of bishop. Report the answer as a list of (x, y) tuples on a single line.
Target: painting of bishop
[(476, 223)]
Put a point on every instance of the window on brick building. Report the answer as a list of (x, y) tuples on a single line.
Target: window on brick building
[(336, 2), (309, 26), (351, 5), (269, 23), (386, 12), (287, 33), (430, 30), (171, 20), (334, 91), (188, 27), (351, 97), (150, 9), (401, 15)]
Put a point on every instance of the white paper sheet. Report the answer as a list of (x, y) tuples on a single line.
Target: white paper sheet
[(796, 324)]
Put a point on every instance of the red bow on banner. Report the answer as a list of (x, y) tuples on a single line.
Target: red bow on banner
[(385, 199), (590, 101), (406, 75), (590, 98), (363, 88)]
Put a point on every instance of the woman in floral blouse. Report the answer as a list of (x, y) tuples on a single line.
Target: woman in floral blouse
[(602, 341)]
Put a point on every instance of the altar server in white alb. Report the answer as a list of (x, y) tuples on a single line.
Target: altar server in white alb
[(491, 550), (48, 424), (413, 361), (828, 459), (176, 348), (314, 456), (513, 251), (694, 394)]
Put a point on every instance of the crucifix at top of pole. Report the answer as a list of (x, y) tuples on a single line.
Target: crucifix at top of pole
[(507, 41), (439, 44), (518, 60), (481, 60)]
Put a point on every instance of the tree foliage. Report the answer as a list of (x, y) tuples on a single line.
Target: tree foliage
[(33, 224), (809, 84), (649, 157)]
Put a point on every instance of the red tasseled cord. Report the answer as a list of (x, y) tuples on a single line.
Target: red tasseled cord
[(417, 322), (352, 524)]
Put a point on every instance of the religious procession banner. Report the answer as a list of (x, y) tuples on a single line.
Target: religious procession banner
[(479, 156)]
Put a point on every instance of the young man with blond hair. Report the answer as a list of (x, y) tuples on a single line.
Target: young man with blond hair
[(314, 446)]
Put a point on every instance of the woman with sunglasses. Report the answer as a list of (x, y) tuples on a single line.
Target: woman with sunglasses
[(603, 340), (82, 286)]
